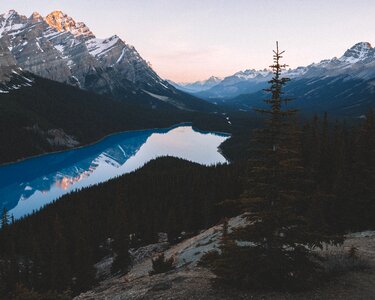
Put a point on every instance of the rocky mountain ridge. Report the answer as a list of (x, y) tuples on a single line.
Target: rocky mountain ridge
[(358, 62), (57, 47)]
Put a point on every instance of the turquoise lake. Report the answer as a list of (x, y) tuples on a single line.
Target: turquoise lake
[(30, 184)]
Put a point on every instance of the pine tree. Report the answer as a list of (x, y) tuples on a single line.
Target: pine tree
[(4, 218), (273, 250)]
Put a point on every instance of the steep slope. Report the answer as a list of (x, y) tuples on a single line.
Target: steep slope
[(58, 48), (358, 62), (340, 96), (39, 115), (189, 281), (11, 76), (342, 86)]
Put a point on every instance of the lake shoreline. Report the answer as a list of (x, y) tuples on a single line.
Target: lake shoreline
[(45, 178), (108, 136)]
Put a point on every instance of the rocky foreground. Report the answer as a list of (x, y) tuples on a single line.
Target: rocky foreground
[(189, 281)]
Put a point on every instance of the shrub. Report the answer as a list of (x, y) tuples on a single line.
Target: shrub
[(161, 265)]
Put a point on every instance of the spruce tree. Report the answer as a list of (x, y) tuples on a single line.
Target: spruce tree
[(4, 218), (273, 250)]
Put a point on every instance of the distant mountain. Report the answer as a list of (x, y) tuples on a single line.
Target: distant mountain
[(343, 86), (242, 82), (340, 96), (197, 86), (59, 48)]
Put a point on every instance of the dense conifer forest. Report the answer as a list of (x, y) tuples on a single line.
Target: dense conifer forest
[(27, 115), (289, 215), (55, 248), (313, 179), (293, 198), (65, 239)]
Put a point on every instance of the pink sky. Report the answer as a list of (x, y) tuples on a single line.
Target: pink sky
[(192, 40)]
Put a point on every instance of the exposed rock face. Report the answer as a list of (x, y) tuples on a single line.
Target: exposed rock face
[(57, 137), (62, 22), (29, 42), (11, 76), (59, 48), (358, 62), (360, 51), (189, 281), (7, 63)]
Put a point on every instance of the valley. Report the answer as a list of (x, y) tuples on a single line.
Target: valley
[(29, 185), (342, 86), (124, 178)]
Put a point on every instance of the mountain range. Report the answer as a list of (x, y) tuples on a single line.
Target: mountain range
[(58, 48), (197, 86), (343, 86)]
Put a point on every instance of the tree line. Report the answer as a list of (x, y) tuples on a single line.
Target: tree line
[(301, 185), (304, 188), (55, 249)]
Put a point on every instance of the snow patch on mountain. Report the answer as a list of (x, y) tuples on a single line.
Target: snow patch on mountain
[(252, 74), (15, 80), (358, 52), (99, 47), (59, 48), (160, 97), (11, 21)]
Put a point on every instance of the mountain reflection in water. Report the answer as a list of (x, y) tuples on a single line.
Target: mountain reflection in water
[(28, 185)]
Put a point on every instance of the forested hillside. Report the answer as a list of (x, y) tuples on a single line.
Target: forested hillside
[(65, 239), (52, 116), (74, 229)]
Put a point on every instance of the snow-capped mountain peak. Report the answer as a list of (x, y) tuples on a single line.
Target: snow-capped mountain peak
[(252, 73), (11, 21), (358, 52), (59, 48)]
